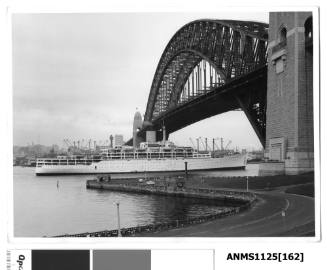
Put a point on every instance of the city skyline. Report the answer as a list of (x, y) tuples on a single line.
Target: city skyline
[(78, 76)]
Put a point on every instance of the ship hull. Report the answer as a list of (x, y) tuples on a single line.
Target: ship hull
[(146, 165)]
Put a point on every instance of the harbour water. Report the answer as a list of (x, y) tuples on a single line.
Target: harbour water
[(54, 205)]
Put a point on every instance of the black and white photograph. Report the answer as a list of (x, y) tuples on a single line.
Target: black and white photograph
[(165, 124)]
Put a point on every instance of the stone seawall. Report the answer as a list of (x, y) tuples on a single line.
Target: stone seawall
[(237, 197), (241, 200)]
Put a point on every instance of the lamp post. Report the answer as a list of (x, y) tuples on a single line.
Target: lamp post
[(247, 183), (118, 219)]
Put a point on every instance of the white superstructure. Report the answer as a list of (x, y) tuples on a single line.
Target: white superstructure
[(150, 157)]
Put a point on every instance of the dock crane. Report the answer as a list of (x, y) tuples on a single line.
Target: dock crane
[(226, 147), (70, 146), (67, 143), (214, 140), (192, 143)]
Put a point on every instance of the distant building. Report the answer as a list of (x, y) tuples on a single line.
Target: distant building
[(55, 148), (137, 124), (119, 140)]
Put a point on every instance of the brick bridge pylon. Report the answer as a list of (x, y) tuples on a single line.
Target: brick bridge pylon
[(289, 113)]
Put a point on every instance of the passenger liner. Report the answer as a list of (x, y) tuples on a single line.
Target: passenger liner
[(149, 157)]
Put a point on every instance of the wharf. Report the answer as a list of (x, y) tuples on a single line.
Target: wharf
[(236, 197)]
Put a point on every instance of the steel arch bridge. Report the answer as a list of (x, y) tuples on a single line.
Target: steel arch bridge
[(210, 67)]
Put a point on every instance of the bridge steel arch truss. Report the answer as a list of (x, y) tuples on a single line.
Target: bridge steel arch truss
[(233, 49)]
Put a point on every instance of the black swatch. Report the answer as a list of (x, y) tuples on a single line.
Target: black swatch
[(60, 260)]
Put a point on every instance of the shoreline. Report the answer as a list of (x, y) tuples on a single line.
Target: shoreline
[(274, 215), (271, 198), (242, 200)]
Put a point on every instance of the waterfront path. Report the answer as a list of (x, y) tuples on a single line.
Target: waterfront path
[(275, 214)]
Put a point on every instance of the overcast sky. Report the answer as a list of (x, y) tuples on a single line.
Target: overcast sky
[(82, 76)]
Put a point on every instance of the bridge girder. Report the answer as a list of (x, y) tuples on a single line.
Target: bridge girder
[(236, 50), (248, 93), (233, 48)]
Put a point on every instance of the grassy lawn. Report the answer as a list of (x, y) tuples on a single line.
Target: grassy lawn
[(296, 184), (255, 182), (305, 189)]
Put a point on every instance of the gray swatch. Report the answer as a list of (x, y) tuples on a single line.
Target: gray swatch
[(121, 259)]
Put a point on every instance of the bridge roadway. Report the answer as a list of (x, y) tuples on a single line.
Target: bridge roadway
[(263, 220)]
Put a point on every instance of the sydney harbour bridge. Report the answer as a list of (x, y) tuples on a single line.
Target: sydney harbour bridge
[(209, 67)]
